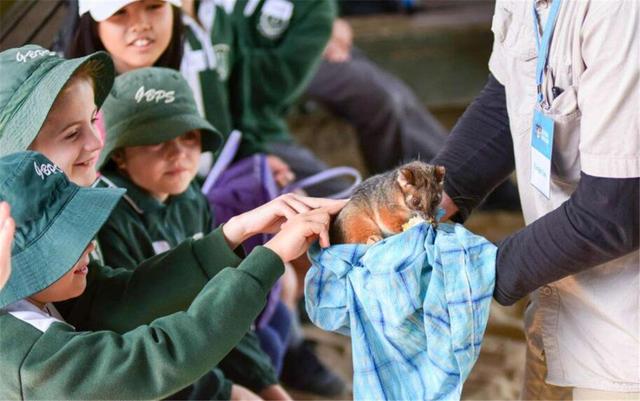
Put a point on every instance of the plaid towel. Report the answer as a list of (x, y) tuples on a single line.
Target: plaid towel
[(415, 305)]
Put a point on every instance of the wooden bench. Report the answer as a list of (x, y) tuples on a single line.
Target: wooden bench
[(30, 21)]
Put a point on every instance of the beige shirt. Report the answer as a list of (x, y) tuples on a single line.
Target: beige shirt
[(587, 325)]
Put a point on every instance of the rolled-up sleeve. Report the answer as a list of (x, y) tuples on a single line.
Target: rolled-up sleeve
[(609, 95)]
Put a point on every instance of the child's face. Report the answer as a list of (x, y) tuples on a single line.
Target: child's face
[(68, 136), (138, 34), (71, 285), (164, 169)]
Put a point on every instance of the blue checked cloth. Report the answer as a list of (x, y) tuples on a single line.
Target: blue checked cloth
[(415, 305)]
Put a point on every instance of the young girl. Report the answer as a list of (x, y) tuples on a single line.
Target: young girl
[(207, 65), (45, 357), (154, 143), (210, 62), (49, 104), (7, 227), (203, 50)]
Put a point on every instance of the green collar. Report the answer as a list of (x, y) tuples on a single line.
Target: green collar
[(139, 199)]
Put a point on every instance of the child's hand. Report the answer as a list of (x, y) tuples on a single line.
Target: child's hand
[(269, 217), (7, 228), (299, 232), (275, 392), (239, 393), (282, 174)]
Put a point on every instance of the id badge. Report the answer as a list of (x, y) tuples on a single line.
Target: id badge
[(541, 150)]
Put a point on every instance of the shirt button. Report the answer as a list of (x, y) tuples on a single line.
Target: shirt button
[(546, 290)]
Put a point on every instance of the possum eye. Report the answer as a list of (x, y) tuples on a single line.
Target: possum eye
[(414, 202)]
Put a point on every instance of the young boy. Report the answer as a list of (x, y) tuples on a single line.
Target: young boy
[(44, 357), (157, 164)]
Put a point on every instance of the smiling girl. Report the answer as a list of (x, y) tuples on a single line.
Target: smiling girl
[(48, 104)]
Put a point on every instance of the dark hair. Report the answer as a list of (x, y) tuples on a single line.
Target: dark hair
[(85, 41)]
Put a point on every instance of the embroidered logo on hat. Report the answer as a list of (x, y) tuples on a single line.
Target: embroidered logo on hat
[(32, 55), (155, 95), (46, 169)]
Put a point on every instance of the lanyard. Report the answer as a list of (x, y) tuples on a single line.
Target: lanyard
[(543, 44)]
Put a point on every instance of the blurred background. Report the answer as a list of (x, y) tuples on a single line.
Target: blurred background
[(440, 49)]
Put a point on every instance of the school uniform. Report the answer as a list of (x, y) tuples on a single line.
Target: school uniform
[(207, 62), (52, 353), (264, 54), (45, 357), (141, 227), (280, 44)]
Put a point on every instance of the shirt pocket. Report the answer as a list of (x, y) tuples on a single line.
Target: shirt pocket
[(565, 161)]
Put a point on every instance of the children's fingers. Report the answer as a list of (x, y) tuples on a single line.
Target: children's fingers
[(4, 211), (285, 210), (295, 203), (332, 205), (324, 238), (319, 215), (7, 229)]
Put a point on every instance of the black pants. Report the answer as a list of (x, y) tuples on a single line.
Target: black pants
[(392, 125)]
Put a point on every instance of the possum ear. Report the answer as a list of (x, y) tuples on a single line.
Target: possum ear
[(405, 178), (439, 173)]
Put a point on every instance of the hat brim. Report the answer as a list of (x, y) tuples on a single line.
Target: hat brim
[(25, 124), (107, 8), (161, 130), (58, 249)]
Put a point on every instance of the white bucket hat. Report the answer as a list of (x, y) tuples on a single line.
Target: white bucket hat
[(102, 9)]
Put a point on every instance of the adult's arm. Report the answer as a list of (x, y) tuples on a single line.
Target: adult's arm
[(600, 221), (478, 154)]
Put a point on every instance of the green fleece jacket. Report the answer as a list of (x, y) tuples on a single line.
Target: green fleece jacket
[(141, 227), (147, 361), (279, 44)]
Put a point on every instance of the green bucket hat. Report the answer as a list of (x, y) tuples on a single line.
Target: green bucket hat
[(149, 106), (55, 221), (32, 78)]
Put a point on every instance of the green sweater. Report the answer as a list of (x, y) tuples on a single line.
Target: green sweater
[(140, 227), (146, 362), (208, 62), (247, 67), (279, 45)]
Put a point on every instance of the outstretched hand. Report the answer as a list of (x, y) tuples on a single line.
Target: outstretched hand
[(299, 232), (7, 229), (268, 218)]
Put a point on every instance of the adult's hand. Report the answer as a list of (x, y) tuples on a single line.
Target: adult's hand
[(7, 229), (338, 48), (449, 207), (268, 218)]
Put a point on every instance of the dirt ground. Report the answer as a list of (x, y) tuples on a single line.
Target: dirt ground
[(498, 373)]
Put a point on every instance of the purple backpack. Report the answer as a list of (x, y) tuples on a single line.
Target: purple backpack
[(235, 188)]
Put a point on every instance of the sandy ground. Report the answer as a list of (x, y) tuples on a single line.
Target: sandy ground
[(498, 373)]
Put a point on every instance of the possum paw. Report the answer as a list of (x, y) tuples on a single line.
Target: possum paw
[(373, 239)]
